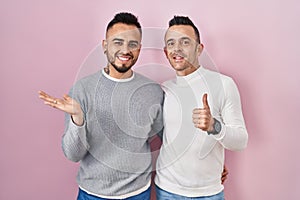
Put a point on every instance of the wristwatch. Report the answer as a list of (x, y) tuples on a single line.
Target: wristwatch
[(216, 128)]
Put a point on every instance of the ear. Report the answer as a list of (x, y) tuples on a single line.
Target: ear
[(200, 49), (166, 51), (104, 46)]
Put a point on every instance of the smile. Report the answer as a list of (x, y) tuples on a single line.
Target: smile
[(178, 58), (124, 58)]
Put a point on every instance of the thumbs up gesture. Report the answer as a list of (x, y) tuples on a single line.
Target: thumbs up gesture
[(202, 117)]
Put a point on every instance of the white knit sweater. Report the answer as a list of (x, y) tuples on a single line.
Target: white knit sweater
[(191, 161)]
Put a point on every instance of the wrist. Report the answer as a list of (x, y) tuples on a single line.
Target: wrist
[(77, 119), (215, 128), (211, 125)]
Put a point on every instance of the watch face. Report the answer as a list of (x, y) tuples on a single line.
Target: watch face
[(217, 126)]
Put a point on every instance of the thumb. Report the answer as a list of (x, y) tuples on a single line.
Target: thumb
[(67, 97), (204, 101)]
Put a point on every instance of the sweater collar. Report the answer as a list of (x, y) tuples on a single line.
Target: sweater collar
[(184, 80), (116, 79)]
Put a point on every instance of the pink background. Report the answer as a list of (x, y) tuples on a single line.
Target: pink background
[(44, 42)]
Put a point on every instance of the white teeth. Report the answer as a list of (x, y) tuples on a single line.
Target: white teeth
[(123, 58), (178, 57)]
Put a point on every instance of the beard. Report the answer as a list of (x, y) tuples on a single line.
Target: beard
[(122, 69)]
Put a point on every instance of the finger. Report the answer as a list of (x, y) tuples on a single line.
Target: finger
[(200, 111), (196, 110), (202, 124), (67, 97), (204, 101), (201, 120), (51, 100), (202, 127), (201, 114), (223, 180), (54, 105), (47, 98), (43, 94), (225, 173), (225, 170)]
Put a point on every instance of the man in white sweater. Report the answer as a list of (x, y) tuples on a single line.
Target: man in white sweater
[(202, 118)]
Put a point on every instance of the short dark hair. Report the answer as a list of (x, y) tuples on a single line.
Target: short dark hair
[(125, 18), (182, 20)]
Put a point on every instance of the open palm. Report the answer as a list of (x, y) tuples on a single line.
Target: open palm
[(66, 104)]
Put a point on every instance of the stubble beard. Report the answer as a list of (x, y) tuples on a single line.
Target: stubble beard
[(120, 69)]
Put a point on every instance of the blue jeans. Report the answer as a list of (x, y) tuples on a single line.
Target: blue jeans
[(82, 195), (164, 195)]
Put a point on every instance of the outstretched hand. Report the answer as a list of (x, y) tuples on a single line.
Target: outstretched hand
[(66, 104), (202, 117)]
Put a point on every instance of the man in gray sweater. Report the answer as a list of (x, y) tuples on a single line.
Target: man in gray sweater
[(110, 116)]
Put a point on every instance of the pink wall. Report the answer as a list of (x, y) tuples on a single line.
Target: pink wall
[(43, 44)]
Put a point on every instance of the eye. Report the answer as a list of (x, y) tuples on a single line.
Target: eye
[(170, 43), (118, 43), (185, 42), (133, 45)]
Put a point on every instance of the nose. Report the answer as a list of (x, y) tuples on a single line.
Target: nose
[(124, 49), (177, 46)]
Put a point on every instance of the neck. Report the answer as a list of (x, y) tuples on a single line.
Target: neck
[(111, 71), (187, 71)]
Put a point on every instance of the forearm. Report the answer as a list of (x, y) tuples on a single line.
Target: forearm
[(233, 138), (233, 135), (74, 142)]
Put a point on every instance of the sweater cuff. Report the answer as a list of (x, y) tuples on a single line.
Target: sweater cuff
[(79, 131), (220, 135), (75, 126)]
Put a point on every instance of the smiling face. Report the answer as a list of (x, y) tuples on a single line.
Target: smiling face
[(182, 49), (122, 47)]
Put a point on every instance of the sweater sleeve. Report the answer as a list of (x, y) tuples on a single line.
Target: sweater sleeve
[(74, 141), (156, 112), (233, 135)]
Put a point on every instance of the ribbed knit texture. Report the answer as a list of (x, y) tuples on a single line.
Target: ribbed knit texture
[(112, 145), (190, 162)]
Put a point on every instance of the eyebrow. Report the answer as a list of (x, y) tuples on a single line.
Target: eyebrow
[(182, 38), (133, 41), (122, 40), (118, 39), (169, 40), (185, 38)]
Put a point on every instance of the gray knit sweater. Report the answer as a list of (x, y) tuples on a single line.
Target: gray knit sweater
[(112, 145)]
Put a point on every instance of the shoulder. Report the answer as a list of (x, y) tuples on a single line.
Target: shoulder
[(147, 86), (143, 78), (168, 84), (90, 78), (144, 81), (82, 85), (217, 76)]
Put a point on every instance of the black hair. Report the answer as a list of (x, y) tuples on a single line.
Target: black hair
[(182, 20), (125, 18)]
